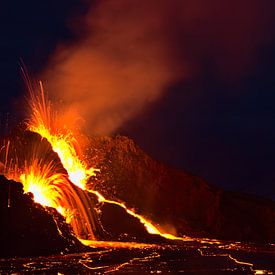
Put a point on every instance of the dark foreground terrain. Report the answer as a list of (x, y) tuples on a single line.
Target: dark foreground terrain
[(192, 257)]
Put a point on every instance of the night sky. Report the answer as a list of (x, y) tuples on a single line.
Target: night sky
[(215, 119)]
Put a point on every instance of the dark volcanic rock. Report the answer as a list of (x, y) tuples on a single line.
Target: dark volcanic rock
[(27, 228), (180, 202), (120, 226)]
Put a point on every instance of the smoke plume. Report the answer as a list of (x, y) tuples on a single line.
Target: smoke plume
[(130, 52)]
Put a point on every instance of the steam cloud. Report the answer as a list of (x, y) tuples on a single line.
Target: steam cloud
[(131, 51)]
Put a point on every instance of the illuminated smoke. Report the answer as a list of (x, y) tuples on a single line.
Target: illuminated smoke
[(119, 67), (130, 52)]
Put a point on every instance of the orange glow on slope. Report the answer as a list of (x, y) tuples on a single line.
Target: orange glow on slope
[(151, 229)]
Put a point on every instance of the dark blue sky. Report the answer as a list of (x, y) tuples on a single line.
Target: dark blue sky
[(221, 128)]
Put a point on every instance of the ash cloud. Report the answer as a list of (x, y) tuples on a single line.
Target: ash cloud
[(130, 52)]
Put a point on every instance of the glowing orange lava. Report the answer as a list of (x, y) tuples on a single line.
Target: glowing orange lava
[(53, 188), (152, 229), (42, 121), (43, 184)]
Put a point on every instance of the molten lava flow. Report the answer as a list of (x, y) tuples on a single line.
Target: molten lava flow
[(152, 229), (31, 161), (64, 144), (52, 187)]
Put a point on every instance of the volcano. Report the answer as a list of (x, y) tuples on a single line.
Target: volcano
[(181, 203), (177, 202), (66, 192)]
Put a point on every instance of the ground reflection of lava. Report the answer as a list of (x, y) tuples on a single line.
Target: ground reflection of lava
[(184, 257)]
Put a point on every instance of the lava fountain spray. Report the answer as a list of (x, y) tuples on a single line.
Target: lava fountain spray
[(43, 122), (55, 179), (57, 174), (29, 159), (63, 143)]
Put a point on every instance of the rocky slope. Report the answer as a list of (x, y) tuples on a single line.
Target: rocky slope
[(27, 228), (178, 201)]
